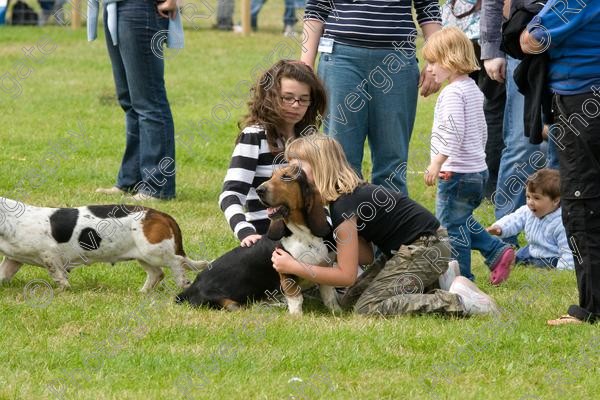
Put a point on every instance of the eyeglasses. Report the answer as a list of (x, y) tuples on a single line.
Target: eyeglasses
[(290, 100)]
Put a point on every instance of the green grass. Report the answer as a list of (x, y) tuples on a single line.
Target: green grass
[(104, 340)]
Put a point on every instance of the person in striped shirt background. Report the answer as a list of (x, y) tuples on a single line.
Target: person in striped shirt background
[(458, 141), (369, 66), (287, 102)]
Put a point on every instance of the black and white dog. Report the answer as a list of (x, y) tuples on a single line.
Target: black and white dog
[(60, 239), (246, 274)]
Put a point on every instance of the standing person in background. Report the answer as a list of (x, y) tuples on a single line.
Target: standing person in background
[(369, 66), (286, 103), (466, 15), (225, 10), (130, 26), (515, 166), (289, 14), (571, 36)]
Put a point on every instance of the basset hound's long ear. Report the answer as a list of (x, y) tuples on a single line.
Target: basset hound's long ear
[(277, 230), (314, 212)]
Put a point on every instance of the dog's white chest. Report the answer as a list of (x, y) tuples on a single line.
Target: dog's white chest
[(304, 246)]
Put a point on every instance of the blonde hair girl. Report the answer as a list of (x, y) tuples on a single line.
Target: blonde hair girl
[(452, 49), (407, 234)]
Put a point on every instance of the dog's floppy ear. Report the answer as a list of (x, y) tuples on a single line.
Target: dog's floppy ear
[(316, 219), (277, 230)]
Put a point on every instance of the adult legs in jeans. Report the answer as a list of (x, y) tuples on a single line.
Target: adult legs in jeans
[(289, 13), (225, 14), (579, 159), (515, 164), (255, 7), (148, 164), (400, 286), (368, 98), (457, 198)]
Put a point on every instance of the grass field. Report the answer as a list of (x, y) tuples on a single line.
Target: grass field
[(62, 136)]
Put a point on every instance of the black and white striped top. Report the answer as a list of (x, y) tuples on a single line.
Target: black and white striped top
[(373, 23), (252, 163)]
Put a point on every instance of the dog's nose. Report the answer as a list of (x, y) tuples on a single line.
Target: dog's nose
[(260, 191)]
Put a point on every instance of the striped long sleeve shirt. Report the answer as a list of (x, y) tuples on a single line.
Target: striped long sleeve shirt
[(373, 23), (546, 236), (252, 163), (459, 129)]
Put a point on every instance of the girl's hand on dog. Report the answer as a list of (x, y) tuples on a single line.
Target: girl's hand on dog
[(284, 263), (250, 240)]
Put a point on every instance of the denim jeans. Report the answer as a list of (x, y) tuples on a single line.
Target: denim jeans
[(372, 93), (457, 197), (289, 13), (524, 257), (515, 163), (148, 164)]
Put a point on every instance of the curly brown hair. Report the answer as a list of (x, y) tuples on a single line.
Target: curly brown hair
[(265, 107)]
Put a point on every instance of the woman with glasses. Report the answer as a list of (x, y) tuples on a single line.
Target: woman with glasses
[(286, 102)]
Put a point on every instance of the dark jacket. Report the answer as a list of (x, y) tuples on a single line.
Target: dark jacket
[(531, 74)]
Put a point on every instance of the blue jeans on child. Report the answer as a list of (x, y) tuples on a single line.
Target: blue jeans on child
[(370, 98), (148, 164), (524, 257), (457, 196)]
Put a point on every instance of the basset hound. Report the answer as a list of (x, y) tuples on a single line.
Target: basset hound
[(245, 274), (61, 239)]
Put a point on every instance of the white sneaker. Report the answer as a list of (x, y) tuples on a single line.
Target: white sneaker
[(447, 277), (288, 30), (474, 300), (140, 196)]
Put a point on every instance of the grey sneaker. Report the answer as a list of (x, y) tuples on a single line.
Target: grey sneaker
[(288, 30), (474, 300), (447, 277)]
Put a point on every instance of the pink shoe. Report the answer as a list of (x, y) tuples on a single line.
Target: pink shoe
[(501, 269)]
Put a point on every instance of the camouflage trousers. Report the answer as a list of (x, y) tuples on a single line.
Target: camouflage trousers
[(408, 282)]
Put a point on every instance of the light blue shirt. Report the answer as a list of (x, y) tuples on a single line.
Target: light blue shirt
[(174, 36), (546, 236)]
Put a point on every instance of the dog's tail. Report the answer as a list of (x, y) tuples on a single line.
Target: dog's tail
[(196, 266)]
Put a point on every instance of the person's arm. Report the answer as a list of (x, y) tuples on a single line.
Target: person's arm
[(557, 22), (342, 274), (449, 133), (435, 166), (315, 15), (490, 26), (238, 183), (427, 83), (312, 31), (429, 19), (510, 224)]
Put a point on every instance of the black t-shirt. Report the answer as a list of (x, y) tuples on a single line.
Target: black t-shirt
[(385, 217)]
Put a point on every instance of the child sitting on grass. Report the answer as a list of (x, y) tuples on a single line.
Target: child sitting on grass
[(541, 220), (458, 140)]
